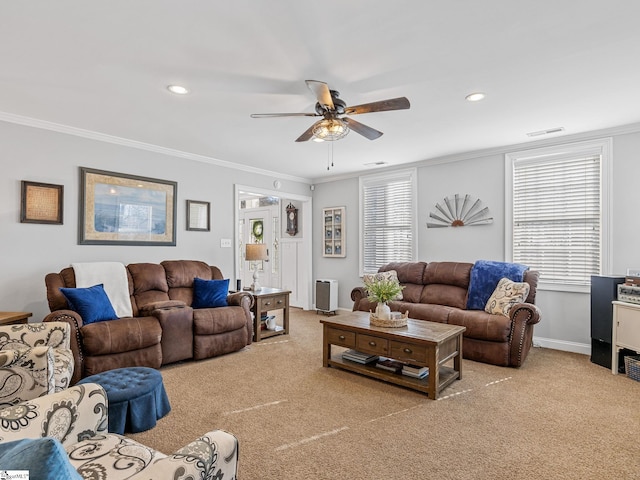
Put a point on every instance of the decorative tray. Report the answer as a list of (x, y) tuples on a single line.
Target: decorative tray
[(397, 320)]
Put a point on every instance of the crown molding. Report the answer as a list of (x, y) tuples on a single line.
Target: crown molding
[(458, 157), (502, 150), (102, 137)]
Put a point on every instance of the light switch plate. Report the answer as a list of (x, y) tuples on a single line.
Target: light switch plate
[(225, 243)]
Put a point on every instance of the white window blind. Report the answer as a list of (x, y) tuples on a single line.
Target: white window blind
[(557, 217), (387, 219)]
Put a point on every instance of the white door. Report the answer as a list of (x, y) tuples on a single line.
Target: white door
[(259, 225)]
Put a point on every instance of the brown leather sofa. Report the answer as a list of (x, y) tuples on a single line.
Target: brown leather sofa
[(164, 327), (437, 291)]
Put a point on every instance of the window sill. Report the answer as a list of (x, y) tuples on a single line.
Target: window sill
[(559, 287)]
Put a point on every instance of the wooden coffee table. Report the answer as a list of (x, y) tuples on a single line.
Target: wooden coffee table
[(420, 343)]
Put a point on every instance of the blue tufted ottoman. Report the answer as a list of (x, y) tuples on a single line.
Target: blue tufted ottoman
[(136, 395)]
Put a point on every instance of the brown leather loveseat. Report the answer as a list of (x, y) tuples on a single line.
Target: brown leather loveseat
[(438, 292), (164, 327)]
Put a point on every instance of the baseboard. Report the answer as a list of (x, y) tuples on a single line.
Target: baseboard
[(563, 345)]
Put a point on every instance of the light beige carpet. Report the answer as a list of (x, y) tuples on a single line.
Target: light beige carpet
[(557, 417)]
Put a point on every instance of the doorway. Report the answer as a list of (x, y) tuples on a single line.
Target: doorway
[(259, 215)]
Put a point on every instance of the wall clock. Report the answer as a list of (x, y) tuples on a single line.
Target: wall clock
[(292, 220)]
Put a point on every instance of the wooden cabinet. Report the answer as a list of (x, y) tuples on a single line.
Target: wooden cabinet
[(333, 231), (626, 330)]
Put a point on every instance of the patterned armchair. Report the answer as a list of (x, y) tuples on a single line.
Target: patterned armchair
[(35, 359), (78, 418)]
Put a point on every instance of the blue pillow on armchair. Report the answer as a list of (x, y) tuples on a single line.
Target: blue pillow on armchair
[(44, 458), (91, 303), (210, 293)]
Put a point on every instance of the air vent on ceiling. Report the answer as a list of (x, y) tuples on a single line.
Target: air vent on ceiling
[(545, 132), (375, 164)]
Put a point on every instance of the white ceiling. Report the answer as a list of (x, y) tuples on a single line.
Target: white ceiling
[(103, 66)]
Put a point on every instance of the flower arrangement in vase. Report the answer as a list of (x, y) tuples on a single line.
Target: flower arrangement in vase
[(382, 289)]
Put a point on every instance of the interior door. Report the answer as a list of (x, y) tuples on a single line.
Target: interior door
[(257, 227)]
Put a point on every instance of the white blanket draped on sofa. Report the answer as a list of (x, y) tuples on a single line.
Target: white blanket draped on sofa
[(113, 276)]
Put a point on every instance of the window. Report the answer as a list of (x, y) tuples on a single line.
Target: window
[(387, 219), (556, 212)]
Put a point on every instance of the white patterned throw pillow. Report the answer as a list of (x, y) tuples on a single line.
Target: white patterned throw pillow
[(391, 275), (505, 296)]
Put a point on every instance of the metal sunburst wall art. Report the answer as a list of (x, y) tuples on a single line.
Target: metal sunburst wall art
[(458, 211)]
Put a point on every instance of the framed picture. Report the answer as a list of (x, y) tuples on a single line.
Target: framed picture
[(198, 216), (41, 203), (120, 209)]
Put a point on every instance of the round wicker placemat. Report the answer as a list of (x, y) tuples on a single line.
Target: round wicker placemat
[(393, 323)]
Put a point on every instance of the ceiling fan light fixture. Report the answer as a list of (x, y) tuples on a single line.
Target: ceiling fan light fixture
[(330, 129)]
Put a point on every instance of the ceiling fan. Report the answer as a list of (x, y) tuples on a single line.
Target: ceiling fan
[(335, 124)]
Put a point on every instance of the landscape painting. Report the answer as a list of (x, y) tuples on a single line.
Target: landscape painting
[(122, 209)]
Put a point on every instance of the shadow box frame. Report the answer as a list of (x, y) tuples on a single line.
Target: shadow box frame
[(195, 222), (41, 203)]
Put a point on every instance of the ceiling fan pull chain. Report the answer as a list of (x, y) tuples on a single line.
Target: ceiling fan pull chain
[(331, 154), (328, 153)]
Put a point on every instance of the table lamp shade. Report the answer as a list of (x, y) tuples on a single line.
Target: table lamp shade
[(256, 251)]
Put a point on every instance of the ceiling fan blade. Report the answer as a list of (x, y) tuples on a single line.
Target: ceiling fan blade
[(322, 93), (268, 115), (307, 135), (362, 129), (400, 103)]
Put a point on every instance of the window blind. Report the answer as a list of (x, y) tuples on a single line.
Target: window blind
[(388, 221), (557, 217)]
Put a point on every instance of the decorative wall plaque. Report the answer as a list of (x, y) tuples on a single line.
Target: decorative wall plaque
[(41, 203), (459, 210)]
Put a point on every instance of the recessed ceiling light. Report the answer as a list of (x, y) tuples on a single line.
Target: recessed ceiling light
[(177, 89), (475, 97)]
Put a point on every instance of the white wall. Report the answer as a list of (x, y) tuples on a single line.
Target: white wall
[(30, 251), (341, 193), (565, 320)]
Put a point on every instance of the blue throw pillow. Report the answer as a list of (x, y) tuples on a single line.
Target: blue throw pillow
[(44, 458), (91, 303), (210, 293), (485, 275)]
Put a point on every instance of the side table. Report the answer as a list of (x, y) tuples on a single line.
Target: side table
[(264, 301), (14, 318)]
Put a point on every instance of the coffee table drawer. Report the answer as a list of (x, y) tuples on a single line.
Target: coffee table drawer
[(408, 352), (371, 344), (341, 337)]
